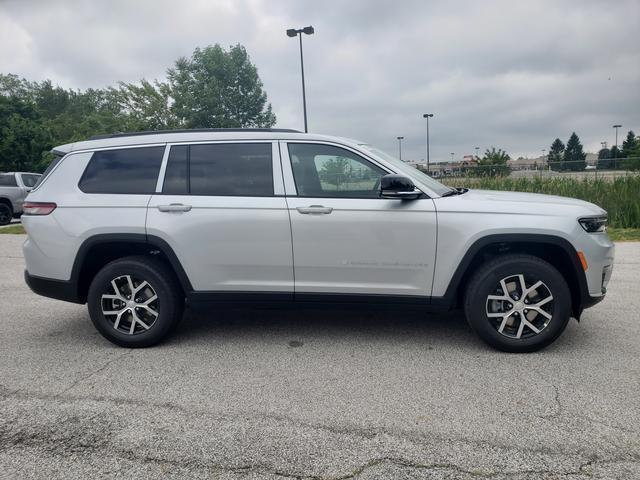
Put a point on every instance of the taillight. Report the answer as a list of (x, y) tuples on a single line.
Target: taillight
[(38, 208)]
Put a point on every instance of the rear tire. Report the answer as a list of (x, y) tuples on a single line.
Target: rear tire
[(6, 214), (532, 312), (135, 301)]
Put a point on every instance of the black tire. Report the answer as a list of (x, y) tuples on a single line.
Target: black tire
[(6, 214), (486, 282), (161, 281)]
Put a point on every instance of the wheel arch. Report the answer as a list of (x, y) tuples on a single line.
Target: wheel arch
[(553, 249), (7, 201), (98, 250)]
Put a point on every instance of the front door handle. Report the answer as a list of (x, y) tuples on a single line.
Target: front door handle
[(315, 209), (174, 207)]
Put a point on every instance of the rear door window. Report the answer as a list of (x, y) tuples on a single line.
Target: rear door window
[(123, 171), (223, 169), (8, 180)]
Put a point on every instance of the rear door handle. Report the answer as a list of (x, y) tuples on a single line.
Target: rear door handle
[(174, 207), (315, 209)]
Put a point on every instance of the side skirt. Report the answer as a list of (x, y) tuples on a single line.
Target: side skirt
[(207, 300)]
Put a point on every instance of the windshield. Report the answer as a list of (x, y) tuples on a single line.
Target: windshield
[(434, 185)]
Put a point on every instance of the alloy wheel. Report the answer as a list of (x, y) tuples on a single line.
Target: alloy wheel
[(130, 304), (520, 307)]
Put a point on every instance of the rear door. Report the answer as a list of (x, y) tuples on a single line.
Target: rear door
[(221, 208), (348, 240)]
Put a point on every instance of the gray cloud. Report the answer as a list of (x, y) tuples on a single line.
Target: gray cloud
[(510, 74)]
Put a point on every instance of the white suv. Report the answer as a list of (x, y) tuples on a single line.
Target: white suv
[(136, 225)]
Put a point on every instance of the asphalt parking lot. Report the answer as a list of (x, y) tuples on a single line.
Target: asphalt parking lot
[(316, 394)]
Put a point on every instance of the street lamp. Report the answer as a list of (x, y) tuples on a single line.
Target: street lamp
[(292, 32), (427, 116), (452, 154), (617, 127), (477, 150), (400, 146)]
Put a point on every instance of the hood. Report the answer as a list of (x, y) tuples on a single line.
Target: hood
[(518, 202)]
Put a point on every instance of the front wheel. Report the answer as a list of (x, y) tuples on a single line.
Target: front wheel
[(518, 303), (135, 301)]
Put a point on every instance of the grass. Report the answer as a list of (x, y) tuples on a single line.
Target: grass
[(624, 234), (15, 229), (620, 197)]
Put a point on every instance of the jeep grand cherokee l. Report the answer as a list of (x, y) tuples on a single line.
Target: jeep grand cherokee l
[(140, 225)]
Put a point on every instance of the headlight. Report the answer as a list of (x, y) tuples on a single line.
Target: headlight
[(594, 224)]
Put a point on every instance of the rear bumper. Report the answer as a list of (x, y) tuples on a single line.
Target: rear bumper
[(58, 289)]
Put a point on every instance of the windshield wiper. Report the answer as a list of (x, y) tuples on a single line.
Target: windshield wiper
[(455, 191)]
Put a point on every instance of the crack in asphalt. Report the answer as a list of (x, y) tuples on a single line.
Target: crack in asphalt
[(99, 440), (96, 371)]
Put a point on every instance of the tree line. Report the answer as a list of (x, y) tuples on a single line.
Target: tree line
[(213, 88), (573, 158)]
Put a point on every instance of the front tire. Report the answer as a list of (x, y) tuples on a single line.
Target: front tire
[(135, 301), (518, 303)]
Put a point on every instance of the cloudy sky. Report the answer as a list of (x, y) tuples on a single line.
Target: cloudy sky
[(513, 74)]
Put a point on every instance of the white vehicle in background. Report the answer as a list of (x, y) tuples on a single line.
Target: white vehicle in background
[(14, 187), (138, 225)]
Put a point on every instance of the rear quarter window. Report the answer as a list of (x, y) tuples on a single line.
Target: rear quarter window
[(123, 171), (30, 179)]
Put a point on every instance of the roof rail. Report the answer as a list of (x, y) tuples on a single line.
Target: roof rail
[(195, 130)]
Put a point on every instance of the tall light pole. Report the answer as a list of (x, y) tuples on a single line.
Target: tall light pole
[(477, 150), (617, 127), (427, 116), (452, 154), (400, 146), (292, 32)]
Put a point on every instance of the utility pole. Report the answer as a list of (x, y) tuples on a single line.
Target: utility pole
[(428, 116), (292, 32), (400, 146)]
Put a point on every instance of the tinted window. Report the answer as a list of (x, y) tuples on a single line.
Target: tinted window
[(129, 170), (327, 171), (175, 177), (29, 179), (8, 180), (242, 169)]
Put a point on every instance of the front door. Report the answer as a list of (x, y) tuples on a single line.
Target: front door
[(348, 240)]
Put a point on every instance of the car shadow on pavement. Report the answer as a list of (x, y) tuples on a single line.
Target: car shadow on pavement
[(295, 326)]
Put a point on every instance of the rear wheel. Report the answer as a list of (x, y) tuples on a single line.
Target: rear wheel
[(135, 301), (518, 303), (6, 213)]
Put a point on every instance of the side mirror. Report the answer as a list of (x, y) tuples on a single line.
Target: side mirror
[(398, 186)]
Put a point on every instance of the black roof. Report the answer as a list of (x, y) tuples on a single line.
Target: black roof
[(187, 130)]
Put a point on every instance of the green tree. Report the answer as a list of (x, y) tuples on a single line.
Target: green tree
[(631, 152), (574, 156), (556, 152), (335, 171), (214, 88), (494, 162), (218, 88), (604, 159), (148, 105), (630, 144)]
